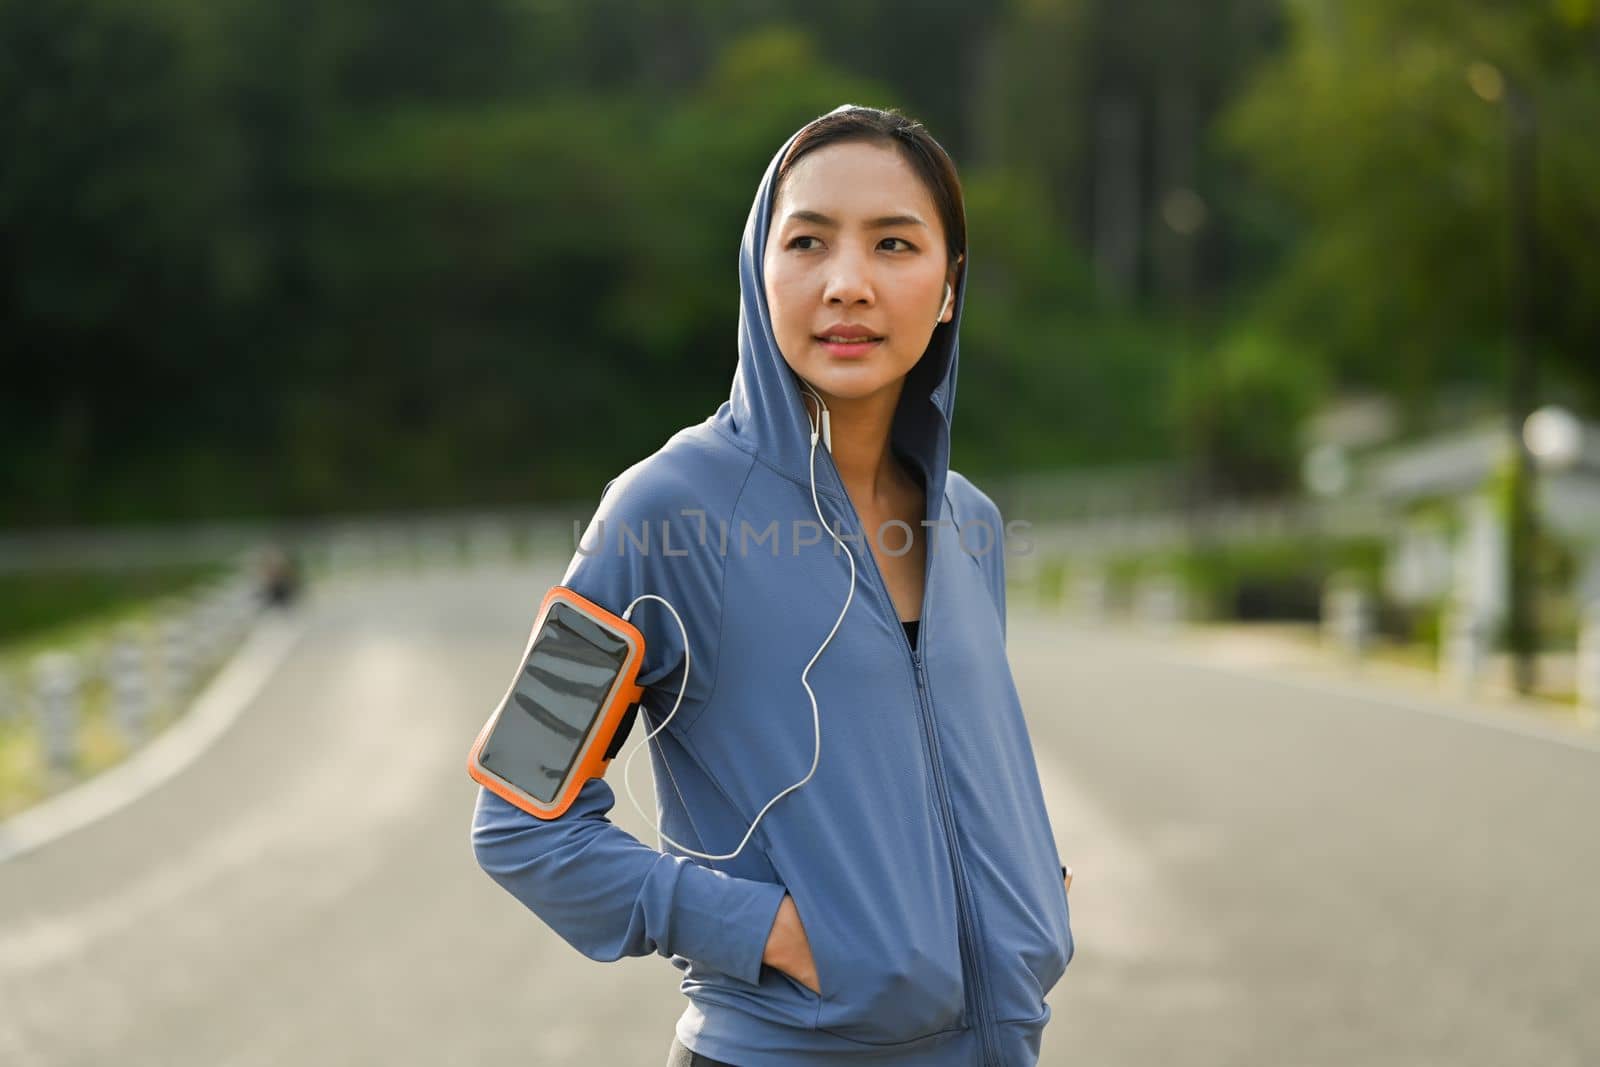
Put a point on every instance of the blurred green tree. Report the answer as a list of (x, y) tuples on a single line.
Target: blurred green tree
[(1240, 409), (262, 258), (1385, 126)]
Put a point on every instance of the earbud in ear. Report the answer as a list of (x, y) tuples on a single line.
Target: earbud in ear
[(948, 292)]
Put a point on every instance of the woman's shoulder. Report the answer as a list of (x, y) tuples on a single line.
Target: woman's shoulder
[(968, 502), (646, 540), (695, 470), (982, 534), (650, 529)]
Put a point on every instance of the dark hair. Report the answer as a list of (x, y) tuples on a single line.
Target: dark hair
[(889, 127)]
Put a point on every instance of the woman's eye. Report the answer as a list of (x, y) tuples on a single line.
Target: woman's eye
[(794, 242)]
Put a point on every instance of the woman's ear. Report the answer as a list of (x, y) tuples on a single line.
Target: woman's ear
[(955, 272), (950, 288)]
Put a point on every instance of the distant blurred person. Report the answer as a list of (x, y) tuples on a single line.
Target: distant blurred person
[(905, 904), (280, 578)]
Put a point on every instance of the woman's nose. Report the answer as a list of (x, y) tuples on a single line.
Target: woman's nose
[(849, 280)]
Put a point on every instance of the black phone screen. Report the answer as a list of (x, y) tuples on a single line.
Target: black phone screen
[(562, 688)]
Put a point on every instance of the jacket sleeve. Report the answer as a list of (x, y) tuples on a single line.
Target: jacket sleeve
[(601, 889)]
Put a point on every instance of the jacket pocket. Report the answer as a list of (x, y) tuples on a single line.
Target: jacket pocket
[(1037, 934), (777, 998), (1072, 945), (802, 989), (888, 963), (1054, 964)]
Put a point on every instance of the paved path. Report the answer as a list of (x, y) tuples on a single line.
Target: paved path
[(1265, 873)]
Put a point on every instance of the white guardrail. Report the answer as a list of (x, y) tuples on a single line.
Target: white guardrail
[(80, 702), (116, 690), (78, 707)]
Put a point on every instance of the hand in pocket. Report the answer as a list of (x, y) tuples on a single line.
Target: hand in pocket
[(788, 949)]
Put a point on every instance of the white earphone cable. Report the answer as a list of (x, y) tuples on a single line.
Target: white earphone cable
[(818, 429)]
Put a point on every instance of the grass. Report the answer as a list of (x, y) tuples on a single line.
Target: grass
[(45, 607)]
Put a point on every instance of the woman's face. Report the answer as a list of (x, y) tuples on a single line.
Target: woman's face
[(856, 244)]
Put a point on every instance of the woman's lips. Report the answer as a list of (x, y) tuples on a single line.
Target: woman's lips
[(854, 348)]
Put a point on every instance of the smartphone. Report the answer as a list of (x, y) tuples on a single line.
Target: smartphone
[(567, 710)]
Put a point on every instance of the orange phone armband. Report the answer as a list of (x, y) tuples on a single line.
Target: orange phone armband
[(567, 711)]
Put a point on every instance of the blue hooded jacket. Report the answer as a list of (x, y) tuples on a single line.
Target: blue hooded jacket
[(920, 856)]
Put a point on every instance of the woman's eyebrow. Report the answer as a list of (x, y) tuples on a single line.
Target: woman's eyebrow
[(880, 223)]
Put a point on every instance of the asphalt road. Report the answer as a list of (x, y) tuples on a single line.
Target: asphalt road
[(1267, 870)]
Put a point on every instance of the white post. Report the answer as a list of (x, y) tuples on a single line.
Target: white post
[(1480, 565), (59, 682), (1161, 603), (207, 640), (177, 662), (1463, 645), (1347, 617), (128, 679), (1589, 661)]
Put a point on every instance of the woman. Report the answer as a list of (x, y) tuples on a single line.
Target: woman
[(906, 904)]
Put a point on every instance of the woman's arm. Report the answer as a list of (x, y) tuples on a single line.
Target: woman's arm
[(610, 895), (607, 893)]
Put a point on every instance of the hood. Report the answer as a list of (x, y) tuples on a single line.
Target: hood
[(765, 409)]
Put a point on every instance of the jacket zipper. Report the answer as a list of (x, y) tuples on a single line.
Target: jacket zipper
[(964, 891), (980, 993), (972, 963)]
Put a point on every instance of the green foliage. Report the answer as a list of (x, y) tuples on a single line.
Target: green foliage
[(267, 258), (543, 267), (123, 247), (1039, 362), (696, 169), (37, 602), (357, 258), (1240, 410), (1389, 127), (1272, 578)]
